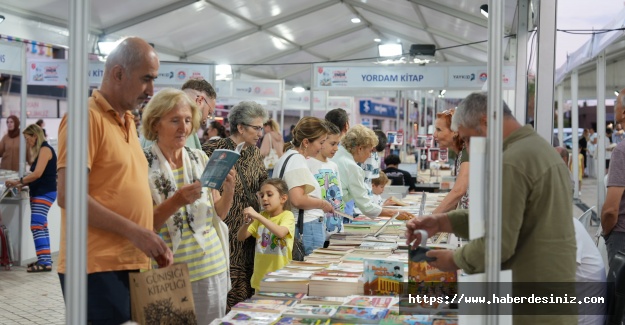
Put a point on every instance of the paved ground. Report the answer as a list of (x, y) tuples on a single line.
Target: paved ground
[(37, 299)]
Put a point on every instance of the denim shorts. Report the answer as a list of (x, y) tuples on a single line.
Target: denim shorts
[(108, 297), (314, 235)]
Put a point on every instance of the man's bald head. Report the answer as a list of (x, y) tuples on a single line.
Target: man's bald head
[(130, 53), (619, 106), (564, 154), (129, 74)]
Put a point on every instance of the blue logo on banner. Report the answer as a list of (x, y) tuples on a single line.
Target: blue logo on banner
[(369, 108)]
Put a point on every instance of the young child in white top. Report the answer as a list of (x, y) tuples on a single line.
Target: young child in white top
[(327, 174), (273, 228), (377, 188)]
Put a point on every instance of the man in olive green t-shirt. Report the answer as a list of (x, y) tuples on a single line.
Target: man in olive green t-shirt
[(538, 237)]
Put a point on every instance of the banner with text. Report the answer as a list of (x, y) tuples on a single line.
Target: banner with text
[(11, 58), (265, 89), (474, 77), (294, 100), (344, 102), (335, 77), (55, 72)]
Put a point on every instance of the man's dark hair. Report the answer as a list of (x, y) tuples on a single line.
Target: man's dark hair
[(200, 85), (382, 140), (392, 160), (338, 117)]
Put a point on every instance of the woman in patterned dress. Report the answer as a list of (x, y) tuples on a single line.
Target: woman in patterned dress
[(458, 197), (246, 126)]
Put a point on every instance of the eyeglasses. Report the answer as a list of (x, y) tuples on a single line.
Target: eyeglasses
[(255, 127), (210, 116)]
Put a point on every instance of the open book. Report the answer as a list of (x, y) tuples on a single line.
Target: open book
[(219, 165)]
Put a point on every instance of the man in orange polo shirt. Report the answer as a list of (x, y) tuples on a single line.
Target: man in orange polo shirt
[(120, 238)]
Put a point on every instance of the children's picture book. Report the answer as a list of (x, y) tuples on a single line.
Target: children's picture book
[(312, 311), (360, 315), (289, 320), (369, 301), (424, 279), (383, 276), (219, 165)]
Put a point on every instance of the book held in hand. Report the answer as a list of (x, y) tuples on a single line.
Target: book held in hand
[(218, 167)]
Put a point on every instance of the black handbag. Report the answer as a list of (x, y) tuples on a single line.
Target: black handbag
[(298, 244)]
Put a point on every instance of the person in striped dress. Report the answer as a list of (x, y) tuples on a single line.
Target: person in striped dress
[(42, 184), (184, 211)]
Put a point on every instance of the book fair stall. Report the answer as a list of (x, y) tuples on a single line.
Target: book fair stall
[(360, 276)]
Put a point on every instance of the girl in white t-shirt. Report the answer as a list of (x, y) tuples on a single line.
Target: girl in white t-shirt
[(309, 135), (327, 174)]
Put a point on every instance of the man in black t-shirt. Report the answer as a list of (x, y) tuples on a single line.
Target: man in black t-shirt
[(398, 176)]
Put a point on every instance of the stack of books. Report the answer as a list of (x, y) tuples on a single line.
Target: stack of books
[(284, 285), (335, 283)]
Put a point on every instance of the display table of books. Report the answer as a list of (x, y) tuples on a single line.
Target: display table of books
[(363, 277)]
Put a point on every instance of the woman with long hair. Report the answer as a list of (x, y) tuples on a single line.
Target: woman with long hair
[(10, 145), (309, 135), (458, 197), (42, 184)]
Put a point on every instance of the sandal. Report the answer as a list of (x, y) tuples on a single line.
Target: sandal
[(37, 267)]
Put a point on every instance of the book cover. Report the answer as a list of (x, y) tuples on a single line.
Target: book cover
[(424, 279), (263, 301), (279, 295), (369, 301), (360, 315), (248, 316), (337, 273), (311, 311), (289, 320), (407, 320), (322, 300), (383, 277), (252, 307), (218, 167)]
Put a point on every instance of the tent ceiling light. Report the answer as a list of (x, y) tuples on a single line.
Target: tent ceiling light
[(106, 47), (299, 89), (377, 40), (390, 49), (355, 20)]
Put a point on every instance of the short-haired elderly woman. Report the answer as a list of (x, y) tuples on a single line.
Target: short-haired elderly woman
[(309, 135), (185, 212), (356, 147), (246, 126)]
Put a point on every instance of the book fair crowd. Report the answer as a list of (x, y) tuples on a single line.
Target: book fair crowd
[(284, 197)]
